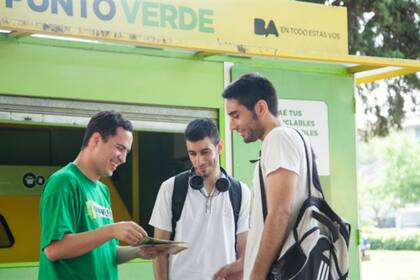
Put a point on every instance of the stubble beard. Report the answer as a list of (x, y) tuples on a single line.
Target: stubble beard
[(254, 131)]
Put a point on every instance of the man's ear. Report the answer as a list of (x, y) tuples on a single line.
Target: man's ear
[(219, 147), (94, 139), (261, 108)]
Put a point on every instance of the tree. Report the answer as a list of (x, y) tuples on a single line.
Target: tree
[(390, 173), (385, 28), (374, 203), (401, 170)]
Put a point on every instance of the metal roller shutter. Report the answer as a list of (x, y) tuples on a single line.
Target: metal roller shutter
[(77, 113)]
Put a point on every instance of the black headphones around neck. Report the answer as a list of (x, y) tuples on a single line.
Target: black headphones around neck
[(197, 182)]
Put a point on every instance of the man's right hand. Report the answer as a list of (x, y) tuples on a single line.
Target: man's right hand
[(128, 232)]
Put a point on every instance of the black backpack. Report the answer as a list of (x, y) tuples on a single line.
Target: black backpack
[(317, 246), (180, 193)]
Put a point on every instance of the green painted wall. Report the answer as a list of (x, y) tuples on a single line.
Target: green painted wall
[(337, 92), (107, 75)]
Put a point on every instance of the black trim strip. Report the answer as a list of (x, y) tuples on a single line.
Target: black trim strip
[(5, 226)]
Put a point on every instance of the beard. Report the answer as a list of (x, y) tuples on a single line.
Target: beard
[(206, 175), (251, 137), (210, 170), (254, 131)]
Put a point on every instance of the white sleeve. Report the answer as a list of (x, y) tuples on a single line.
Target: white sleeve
[(162, 212), (243, 220), (281, 150)]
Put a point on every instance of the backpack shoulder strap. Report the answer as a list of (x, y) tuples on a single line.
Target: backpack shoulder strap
[(235, 195), (314, 179), (178, 198), (262, 189)]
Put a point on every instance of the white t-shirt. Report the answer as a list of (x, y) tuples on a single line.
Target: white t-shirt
[(281, 148), (207, 226)]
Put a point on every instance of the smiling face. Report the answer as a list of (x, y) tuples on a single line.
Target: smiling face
[(204, 156), (109, 154), (244, 121)]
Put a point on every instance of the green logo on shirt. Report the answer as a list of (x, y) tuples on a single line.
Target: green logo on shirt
[(95, 210)]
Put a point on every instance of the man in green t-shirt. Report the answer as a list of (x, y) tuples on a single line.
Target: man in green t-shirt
[(79, 239)]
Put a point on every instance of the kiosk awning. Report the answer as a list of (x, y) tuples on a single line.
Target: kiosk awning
[(284, 30)]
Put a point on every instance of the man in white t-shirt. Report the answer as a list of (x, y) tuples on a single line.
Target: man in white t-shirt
[(207, 218), (251, 103)]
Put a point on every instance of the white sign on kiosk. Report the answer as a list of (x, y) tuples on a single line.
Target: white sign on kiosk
[(310, 117)]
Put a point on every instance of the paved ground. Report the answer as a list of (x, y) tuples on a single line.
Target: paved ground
[(391, 265)]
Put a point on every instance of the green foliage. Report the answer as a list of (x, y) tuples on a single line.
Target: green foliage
[(401, 175), (394, 168), (393, 239), (385, 28)]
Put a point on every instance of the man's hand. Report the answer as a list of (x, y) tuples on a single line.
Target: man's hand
[(127, 253), (233, 271), (128, 232), (151, 252)]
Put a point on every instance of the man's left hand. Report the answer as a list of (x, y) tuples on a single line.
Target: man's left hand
[(151, 252)]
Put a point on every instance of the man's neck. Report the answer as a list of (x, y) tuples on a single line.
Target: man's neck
[(271, 123), (86, 166), (210, 181)]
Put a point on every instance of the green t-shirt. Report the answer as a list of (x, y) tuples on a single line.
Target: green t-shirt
[(72, 203)]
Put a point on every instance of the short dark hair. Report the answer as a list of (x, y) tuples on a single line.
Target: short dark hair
[(201, 128), (106, 123), (249, 89)]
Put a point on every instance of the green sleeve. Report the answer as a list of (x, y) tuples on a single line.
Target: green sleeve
[(58, 212)]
